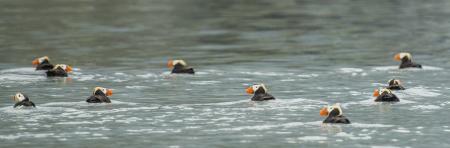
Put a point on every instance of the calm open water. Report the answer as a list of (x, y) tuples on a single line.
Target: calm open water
[(309, 53)]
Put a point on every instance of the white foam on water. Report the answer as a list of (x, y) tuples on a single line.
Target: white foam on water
[(21, 135), (266, 73), (404, 101), (316, 123), (75, 123), (401, 130), (384, 147), (148, 75), (256, 127), (384, 68), (351, 70), (166, 73), (432, 68), (204, 82), (120, 102), (366, 102), (59, 104), (83, 77), (293, 124), (387, 68), (225, 103), (84, 103), (136, 87), (201, 73), (425, 107), (362, 125), (261, 127), (312, 138), (420, 91), (21, 76), (370, 102), (287, 80), (24, 70), (299, 101), (120, 74), (307, 75), (353, 137)]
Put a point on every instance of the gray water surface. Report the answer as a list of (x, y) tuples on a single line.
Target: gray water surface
[(309, 53)]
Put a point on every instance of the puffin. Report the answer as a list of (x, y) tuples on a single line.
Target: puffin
[(100, 95), (42, 63), (334, 114), (259, 92), (22, 100), (385, 95), (395, 85), (60, 70), (406, 60), (180, 67)]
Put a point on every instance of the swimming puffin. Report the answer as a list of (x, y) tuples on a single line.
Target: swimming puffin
[(385, 95), (334, 114), (60, 70), (406, 60), (100, 95), (260, 93), (395, 85), (42, 63), (180, 66), (22, 100)]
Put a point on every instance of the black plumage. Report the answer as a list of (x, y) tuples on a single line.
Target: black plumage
[(387, 97), (26, 102), (45, 65), (262, 95), (181, 69), (58, 72), (395, 85), (334, 117), (98, 97), (407, 63)]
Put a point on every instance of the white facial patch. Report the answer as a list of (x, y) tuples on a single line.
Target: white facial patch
[(42, 59), (101, 89), (182, 62), (335, 106), (385, 90), (19, 97), (394, 81), (405, 54), (63, 66), (257, 86)]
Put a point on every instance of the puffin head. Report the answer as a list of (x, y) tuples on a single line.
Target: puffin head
[(64, 67), (40, 60), (403, 56), (256, 89), (172, 63), (381, 91), (19, 97), (333, 110), (394, 82), (102, 91)]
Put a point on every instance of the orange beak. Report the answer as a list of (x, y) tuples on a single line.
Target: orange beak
[(397, 57), (324, 112), (376, 93), (69, 69), (170, 63), (109, 92), (35, 62), (250, 90)]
